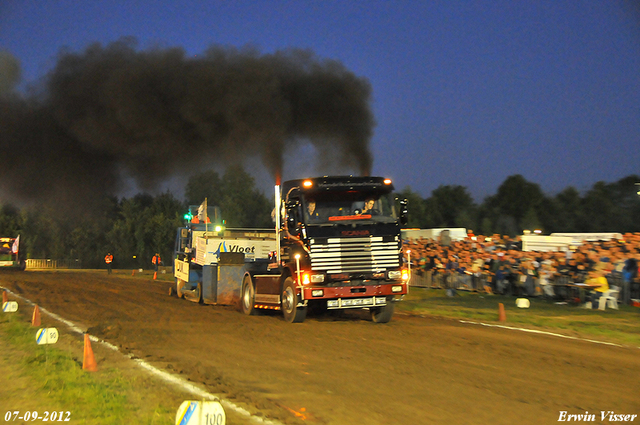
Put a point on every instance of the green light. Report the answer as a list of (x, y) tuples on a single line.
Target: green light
[(188, 216)]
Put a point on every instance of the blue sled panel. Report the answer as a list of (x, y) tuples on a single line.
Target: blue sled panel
[(222, 282), (230, 283)]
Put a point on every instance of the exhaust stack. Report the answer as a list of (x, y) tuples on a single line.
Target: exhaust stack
[(277, 216)]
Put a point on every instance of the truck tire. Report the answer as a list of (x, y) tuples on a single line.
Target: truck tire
[(383, 314), (248, 297), (289, 303)]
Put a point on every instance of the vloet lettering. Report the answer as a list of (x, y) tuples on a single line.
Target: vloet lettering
[(238, 248)]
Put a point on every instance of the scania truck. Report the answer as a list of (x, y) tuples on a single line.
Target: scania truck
[(9, 253), (336, 246)]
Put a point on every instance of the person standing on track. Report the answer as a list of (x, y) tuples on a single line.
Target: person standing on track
[(108, 259), (156, 261)]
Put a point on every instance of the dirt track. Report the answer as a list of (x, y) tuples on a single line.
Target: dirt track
[(346, 370)]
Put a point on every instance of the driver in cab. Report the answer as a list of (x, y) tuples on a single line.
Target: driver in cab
[(368, 207), (311, 213)]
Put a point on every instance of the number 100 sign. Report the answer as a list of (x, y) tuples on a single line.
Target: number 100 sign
[(200, 413)]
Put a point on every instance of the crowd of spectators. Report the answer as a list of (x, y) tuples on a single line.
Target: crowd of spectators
[(497, 264)]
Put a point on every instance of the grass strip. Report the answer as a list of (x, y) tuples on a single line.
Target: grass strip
[(57, 380), (619, 326)]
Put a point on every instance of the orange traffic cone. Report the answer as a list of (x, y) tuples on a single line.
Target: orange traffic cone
[(88, 360), (133, 272), (155, 275), (4, 296), (35, 319), (502, 316)]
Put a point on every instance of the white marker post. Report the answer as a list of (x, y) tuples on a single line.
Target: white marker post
[(200, 413), (46, 336), (409, 269), (10, 307)]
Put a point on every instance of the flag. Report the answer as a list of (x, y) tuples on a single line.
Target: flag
[(202, 212), (14, 247)]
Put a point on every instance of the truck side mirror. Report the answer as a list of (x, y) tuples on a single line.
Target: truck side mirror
[(293, 224), (404, 212), (292, 216)]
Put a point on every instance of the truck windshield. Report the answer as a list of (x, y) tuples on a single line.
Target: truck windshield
[(6, 245), (335, 207)]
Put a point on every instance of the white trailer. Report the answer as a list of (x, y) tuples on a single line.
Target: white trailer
[(546, 243), (455, 233)]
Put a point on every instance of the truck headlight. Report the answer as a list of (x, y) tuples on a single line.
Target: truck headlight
[(317, 293), (317, 278), (396, 288), (394, 274)]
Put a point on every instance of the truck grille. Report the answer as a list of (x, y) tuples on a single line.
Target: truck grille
[(340, 255)]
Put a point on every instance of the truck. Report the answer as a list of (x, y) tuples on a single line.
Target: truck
[(9, 253), (336, 245)]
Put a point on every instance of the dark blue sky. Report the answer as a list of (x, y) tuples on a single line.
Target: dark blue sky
[(464, 92)]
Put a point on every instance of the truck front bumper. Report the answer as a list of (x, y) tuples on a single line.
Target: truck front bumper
[(354, 296), (341, 303)]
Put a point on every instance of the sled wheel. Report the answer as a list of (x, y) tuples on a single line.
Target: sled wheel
[(179, 285), (198, 293)]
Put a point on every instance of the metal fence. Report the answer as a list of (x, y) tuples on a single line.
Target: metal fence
[(53, 264), (484, 283), (445, 280)]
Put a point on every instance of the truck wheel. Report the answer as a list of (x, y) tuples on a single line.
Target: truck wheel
[(382, 314), (292, 313), (248, 299)]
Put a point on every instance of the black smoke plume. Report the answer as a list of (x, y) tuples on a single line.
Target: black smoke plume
[(115, 110)]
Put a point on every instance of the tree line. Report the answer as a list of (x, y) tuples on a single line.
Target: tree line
[(132, 229), (135, 228), (522, 205)]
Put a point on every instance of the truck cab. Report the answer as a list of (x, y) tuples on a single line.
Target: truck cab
[(9, 254), (339, 248)]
